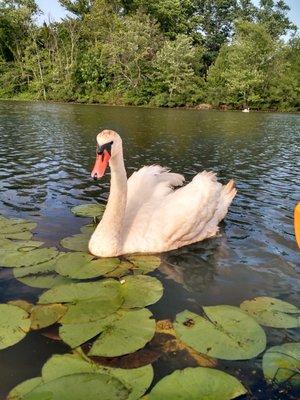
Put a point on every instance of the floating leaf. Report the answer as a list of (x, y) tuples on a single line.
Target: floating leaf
[(46, 315), (14, 324), (46, 281), (8, 247), (27, 235), (282, 364), (107, 302), (128, 332), (18, 392), (88, 210), (19, 259), (79, 291), (144, 263), (272, 312), (197, 383), (77, 242), (81, 386), (140, 291), (227, 333), (25, 305), (84, 266), (41, 268), (122, 269), (137, 380), (14, 225), (88, 229)]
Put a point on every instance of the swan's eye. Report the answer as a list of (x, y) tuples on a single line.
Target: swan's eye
[(105, 146)]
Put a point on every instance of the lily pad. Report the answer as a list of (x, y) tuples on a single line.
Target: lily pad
[(41, 268), (140, 291), (81, 386), (127, 332), (46, 281), (18, 392), (27, 235), (77, 242), (226, 333), (25, 305), (88, 229), (84, 266), (144, 263), (137, 380), (46, 315), (91, 310), (89, 210), (282, 364), (14, 324), (74, 292), (197, 383), (122, 269), (272, 312), (19, 259)]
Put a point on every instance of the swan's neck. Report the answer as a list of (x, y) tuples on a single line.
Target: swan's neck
[(106, 241)]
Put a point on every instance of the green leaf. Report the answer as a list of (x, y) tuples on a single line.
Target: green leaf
[(197, 383), (144, 263), (18, 392), (227, 333), (79, 291), (46, 281), (89, 210), (88, 229), (80, 386), (46, 315), (272, 312), (77, 242), (14, 324), (19, 259), (124, 268), (137, 380), (27, 235), (140, 291), (91, 310), (282, 364), (84, 266), (127, 332), (42, 268), (25, 305)]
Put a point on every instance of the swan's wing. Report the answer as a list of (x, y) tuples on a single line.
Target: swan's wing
[(192, 212), (145, 189)]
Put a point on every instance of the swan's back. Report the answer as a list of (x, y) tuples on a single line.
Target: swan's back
[(159, 218)]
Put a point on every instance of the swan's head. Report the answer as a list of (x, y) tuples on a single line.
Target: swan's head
[(109, 144)]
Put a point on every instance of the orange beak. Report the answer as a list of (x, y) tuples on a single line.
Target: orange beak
[(100, 165)]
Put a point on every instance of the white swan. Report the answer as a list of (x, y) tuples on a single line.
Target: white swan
[(144, 214)]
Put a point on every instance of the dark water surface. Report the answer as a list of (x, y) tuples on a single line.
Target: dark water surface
[(46, 154)]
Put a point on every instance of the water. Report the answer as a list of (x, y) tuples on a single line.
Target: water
[(46, 155)]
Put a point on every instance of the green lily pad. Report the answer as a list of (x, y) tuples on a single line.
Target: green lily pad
[(144, 263), (41, 268), (137, 380), (123, 269), (46, 281), (124, 333), (80, 386), (88, 210), (74, 292), (197, 383), (15, 225), (77, 242), (26, 235), (25, 305), (46, 315), (8, 247), (14, 324), (18, 392), (227, 333), (88, 229), (19, 259), (282, 364), (272, 312), (90, 310), (84, 266), (140, 291)]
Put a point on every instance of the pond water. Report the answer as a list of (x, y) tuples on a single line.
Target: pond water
[(46, 155)]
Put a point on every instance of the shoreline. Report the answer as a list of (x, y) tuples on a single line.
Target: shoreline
[(186, 107)]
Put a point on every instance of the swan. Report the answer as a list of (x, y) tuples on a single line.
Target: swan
[(145, 214)]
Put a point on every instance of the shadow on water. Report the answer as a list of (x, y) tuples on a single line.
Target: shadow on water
[(46, 153)]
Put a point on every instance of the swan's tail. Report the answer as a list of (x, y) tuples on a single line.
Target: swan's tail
[(228, 193)]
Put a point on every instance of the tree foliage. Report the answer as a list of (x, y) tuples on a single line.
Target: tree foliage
[(162, 52)]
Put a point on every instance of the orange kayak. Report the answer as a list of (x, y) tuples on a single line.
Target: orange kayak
[(297, 223)]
